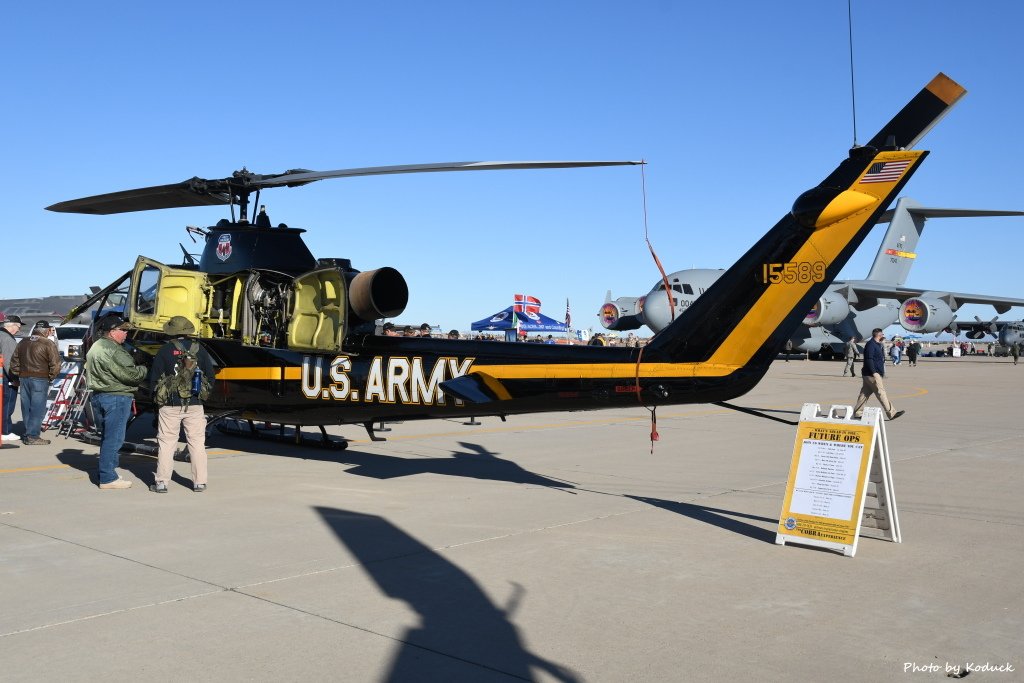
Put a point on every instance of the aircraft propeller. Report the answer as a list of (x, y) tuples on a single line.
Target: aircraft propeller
[(992, 328)]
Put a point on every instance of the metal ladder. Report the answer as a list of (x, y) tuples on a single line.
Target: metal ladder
[(80, 395)]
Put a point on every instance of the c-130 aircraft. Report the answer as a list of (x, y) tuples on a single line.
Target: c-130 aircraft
[(293, 337)]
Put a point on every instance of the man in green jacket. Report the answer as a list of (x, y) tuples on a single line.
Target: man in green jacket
[(113, 377)]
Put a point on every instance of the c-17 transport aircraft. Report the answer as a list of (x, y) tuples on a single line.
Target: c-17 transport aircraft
[(848, 308), (293, 337)]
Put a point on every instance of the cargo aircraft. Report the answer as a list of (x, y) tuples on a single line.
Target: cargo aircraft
[(848, 308), (293, 336)]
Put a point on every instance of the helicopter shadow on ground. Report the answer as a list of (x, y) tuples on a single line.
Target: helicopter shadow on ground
[(473, 461), (723, 519), (457, 622), (143, 467)]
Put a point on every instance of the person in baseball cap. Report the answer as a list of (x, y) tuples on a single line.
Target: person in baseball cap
[(113, 377), (10, 325), (112, 321)]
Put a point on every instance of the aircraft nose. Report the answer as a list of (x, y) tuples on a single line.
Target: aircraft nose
[(657, 314)]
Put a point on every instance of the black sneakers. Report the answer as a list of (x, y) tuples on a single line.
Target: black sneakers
[(159, 487), (199, 488), (896, 414)]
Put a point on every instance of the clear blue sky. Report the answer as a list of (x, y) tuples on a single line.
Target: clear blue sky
[(737, 106)]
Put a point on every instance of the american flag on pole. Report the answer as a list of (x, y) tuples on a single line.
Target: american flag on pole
[(526, 304), (885, 171), (568, 316)]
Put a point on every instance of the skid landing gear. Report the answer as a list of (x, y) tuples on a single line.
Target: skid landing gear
[(268, 431)]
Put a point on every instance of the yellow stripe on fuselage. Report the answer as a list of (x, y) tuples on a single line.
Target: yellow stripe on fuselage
[(259, 373)]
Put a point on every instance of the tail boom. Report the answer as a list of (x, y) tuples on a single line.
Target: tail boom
[(722, 345)]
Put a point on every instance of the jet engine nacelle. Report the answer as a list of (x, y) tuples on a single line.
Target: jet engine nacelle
[(380, 293), (831, 309), (924, 314), (622, 314)]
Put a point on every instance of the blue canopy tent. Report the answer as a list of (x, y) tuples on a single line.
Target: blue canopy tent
[(506, 320)]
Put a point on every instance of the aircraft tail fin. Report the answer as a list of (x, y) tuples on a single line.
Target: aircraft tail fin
[(747, 315), (897, 252)]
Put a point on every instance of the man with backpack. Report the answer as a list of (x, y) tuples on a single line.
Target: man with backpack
[(180, 380)]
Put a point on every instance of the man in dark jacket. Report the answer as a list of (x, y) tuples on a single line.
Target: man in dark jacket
[(113, 378), (871, 375), (10, 327), (178, 412), (36, 363)]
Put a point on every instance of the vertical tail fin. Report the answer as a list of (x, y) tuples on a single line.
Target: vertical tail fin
[(749, 312), (897, 252)]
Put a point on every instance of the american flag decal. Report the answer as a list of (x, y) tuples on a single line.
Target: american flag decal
[(885, 171)]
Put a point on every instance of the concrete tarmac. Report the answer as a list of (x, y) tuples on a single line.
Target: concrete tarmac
[(550, 547)]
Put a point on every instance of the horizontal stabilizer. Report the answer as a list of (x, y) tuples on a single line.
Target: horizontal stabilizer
[(929, 212), (477, 387)]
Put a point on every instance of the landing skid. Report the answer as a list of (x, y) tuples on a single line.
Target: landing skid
[(280, 433), (128, 447)]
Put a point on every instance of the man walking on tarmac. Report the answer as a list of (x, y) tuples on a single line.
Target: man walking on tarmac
[(872, 373), (851, 357)]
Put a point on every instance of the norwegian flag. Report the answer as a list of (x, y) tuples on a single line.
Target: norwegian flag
[(526, 304)]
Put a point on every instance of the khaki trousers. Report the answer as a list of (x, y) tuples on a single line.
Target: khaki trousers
[(873, 384), (170, 420)]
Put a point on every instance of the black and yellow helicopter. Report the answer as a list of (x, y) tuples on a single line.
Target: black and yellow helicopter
[(294, 337)]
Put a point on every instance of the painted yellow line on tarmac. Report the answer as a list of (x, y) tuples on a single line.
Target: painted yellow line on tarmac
[(34, 469)]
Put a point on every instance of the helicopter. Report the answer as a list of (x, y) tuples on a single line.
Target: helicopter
[(294, 338)]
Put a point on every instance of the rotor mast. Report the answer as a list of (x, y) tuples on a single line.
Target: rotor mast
[(240, 188)]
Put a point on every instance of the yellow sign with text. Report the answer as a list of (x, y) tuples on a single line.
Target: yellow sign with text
[(827, 479)]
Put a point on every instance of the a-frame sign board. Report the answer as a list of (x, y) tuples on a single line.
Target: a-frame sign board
[(840, 479)]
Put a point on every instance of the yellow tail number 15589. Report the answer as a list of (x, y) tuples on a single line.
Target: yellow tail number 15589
[(793, 272)]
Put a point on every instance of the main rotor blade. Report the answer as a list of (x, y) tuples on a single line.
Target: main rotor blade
[(294, 179), (200, 192), (143, 199)]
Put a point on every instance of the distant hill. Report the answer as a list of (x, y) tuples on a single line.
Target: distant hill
[(51, 308)]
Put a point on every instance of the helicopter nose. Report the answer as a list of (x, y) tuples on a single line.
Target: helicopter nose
[(656, 313)]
